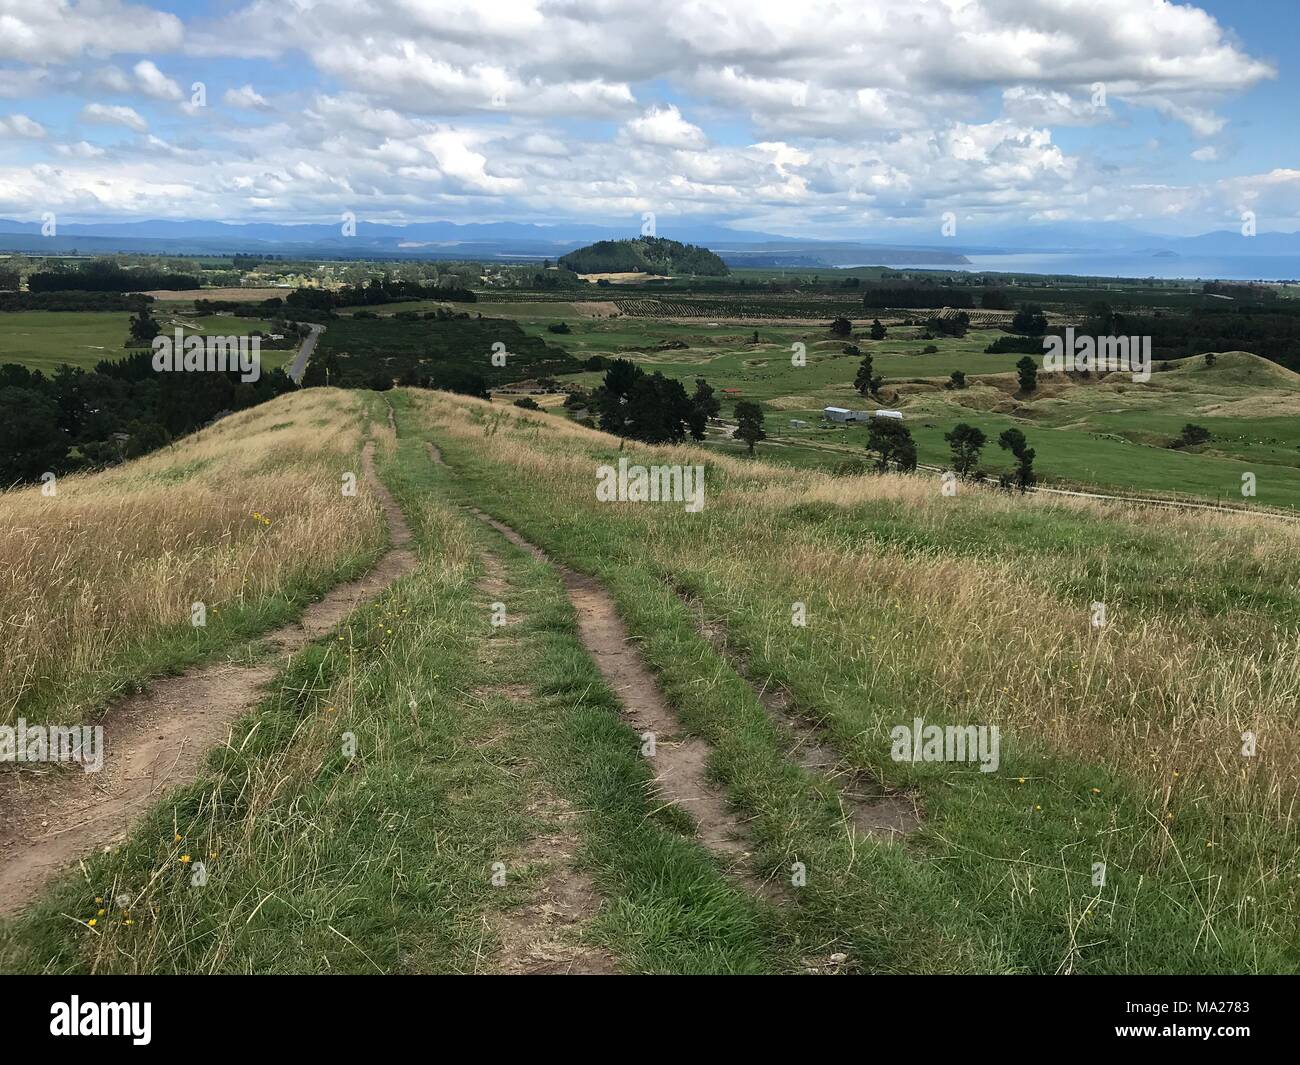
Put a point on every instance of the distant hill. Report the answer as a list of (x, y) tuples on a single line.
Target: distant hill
[(651, 255)]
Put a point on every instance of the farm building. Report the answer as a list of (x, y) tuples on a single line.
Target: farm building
[(798, 423), (844, 415)]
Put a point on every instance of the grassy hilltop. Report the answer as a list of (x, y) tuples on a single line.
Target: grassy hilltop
[(1121, 745)]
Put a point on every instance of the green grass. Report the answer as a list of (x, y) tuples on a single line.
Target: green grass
[(44, 340), (999, 878), (1090, 437)]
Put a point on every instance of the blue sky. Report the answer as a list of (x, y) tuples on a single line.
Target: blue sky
[(820, 119)]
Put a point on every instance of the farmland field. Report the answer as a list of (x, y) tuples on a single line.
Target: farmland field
[(42, 340)]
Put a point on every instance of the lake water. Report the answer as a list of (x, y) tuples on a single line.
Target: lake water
[(1224, 267)]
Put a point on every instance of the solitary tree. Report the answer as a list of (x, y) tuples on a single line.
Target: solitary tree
[(841, 327), (749, 416), (864, 378), (1192, 435), (957, 379), (143, 328), (1013, 440), (877, 330), (1027, 371), (1210, 359), (966, 442), (892, 441)]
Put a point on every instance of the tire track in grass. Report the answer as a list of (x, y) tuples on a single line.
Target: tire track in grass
[(681, 762), (867, 806), (159, 739), (544, 936)]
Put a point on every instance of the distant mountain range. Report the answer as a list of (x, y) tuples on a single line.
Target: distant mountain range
[(528, 241)]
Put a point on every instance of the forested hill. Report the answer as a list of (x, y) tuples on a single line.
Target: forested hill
[(651, 255)]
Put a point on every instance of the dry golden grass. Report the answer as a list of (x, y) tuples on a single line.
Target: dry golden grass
[(114, 558)]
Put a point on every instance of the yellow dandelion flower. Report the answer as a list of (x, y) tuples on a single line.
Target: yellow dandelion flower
[(185, 859), (100, 913), (91, 923), (176, 838), (99, 901), (1020, 779)]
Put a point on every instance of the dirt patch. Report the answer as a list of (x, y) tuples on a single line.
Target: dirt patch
[(435, 454), (680, 761), (597, 309), (243, 295), (543, 937), (866, 805), (160, 739)]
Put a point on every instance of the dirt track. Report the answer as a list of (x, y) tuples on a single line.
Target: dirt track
[(160, 739)]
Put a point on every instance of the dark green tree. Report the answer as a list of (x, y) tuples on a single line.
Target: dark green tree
[(31, 442), (143, 329), (1030, 321), (1013, 440), (1192, 435), (749, 428), (966, 442), (892, 442), (877, 330), (1027, 372), (704, 405), (863, 381)]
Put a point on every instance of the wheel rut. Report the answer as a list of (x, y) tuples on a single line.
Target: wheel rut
[(680, 761), (159, 739)]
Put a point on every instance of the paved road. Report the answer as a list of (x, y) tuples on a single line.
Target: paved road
[(299, 366)]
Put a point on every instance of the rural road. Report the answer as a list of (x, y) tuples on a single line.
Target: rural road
[(299, 365)]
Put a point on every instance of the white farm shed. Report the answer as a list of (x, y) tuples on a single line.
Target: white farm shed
[(843, 414)]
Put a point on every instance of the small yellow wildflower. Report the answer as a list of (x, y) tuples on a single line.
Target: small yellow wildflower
[(92, 922), (185, 859)]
